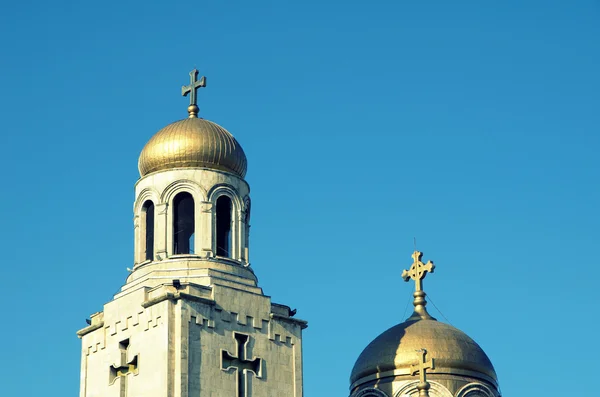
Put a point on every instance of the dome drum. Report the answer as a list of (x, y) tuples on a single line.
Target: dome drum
[(442, 374)]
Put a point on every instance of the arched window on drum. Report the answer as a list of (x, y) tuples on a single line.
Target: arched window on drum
[(148, 234), (183, 224), (224, 226)]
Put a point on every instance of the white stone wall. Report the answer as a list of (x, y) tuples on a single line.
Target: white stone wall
[(178, 336), (147, 330), (180, 312)]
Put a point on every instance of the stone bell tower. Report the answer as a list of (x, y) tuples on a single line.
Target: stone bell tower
[(191, 320)]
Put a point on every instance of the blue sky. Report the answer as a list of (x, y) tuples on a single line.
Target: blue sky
[(470, 125)]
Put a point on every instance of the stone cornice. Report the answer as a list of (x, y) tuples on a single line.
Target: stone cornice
[(82, 332), (175, 296), (302, 323)]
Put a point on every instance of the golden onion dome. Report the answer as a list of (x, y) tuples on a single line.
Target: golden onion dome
[(394, 349), (193, 142)]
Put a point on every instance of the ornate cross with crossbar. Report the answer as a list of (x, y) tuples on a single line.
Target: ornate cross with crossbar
[(124, 368), (417, 272), (241, 364), (421, 368), (192, 89)]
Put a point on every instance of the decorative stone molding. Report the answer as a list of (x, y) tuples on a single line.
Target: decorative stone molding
[(476, 390), (272, 326), (183, 185), (369, 392), (145, 195), (435, 390), (143, 319), (246, 209), (224, 189)]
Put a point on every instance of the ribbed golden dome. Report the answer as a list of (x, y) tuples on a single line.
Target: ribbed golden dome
[(193, 142), (449, 347)]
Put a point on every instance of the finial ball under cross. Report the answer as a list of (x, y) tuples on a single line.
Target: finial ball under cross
[(192, 90)]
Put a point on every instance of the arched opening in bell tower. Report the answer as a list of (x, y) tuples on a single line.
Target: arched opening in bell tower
[(223, 222), (148, 222), (247, 230), (183, 224)]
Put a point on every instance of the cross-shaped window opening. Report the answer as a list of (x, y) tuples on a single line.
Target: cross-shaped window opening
[(241, 364)]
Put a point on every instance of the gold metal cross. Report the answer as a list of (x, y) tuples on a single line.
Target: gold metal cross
[(193, 87), (422, 368), (418, 270)]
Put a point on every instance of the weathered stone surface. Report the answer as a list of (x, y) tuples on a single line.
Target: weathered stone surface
[(166, 331)]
